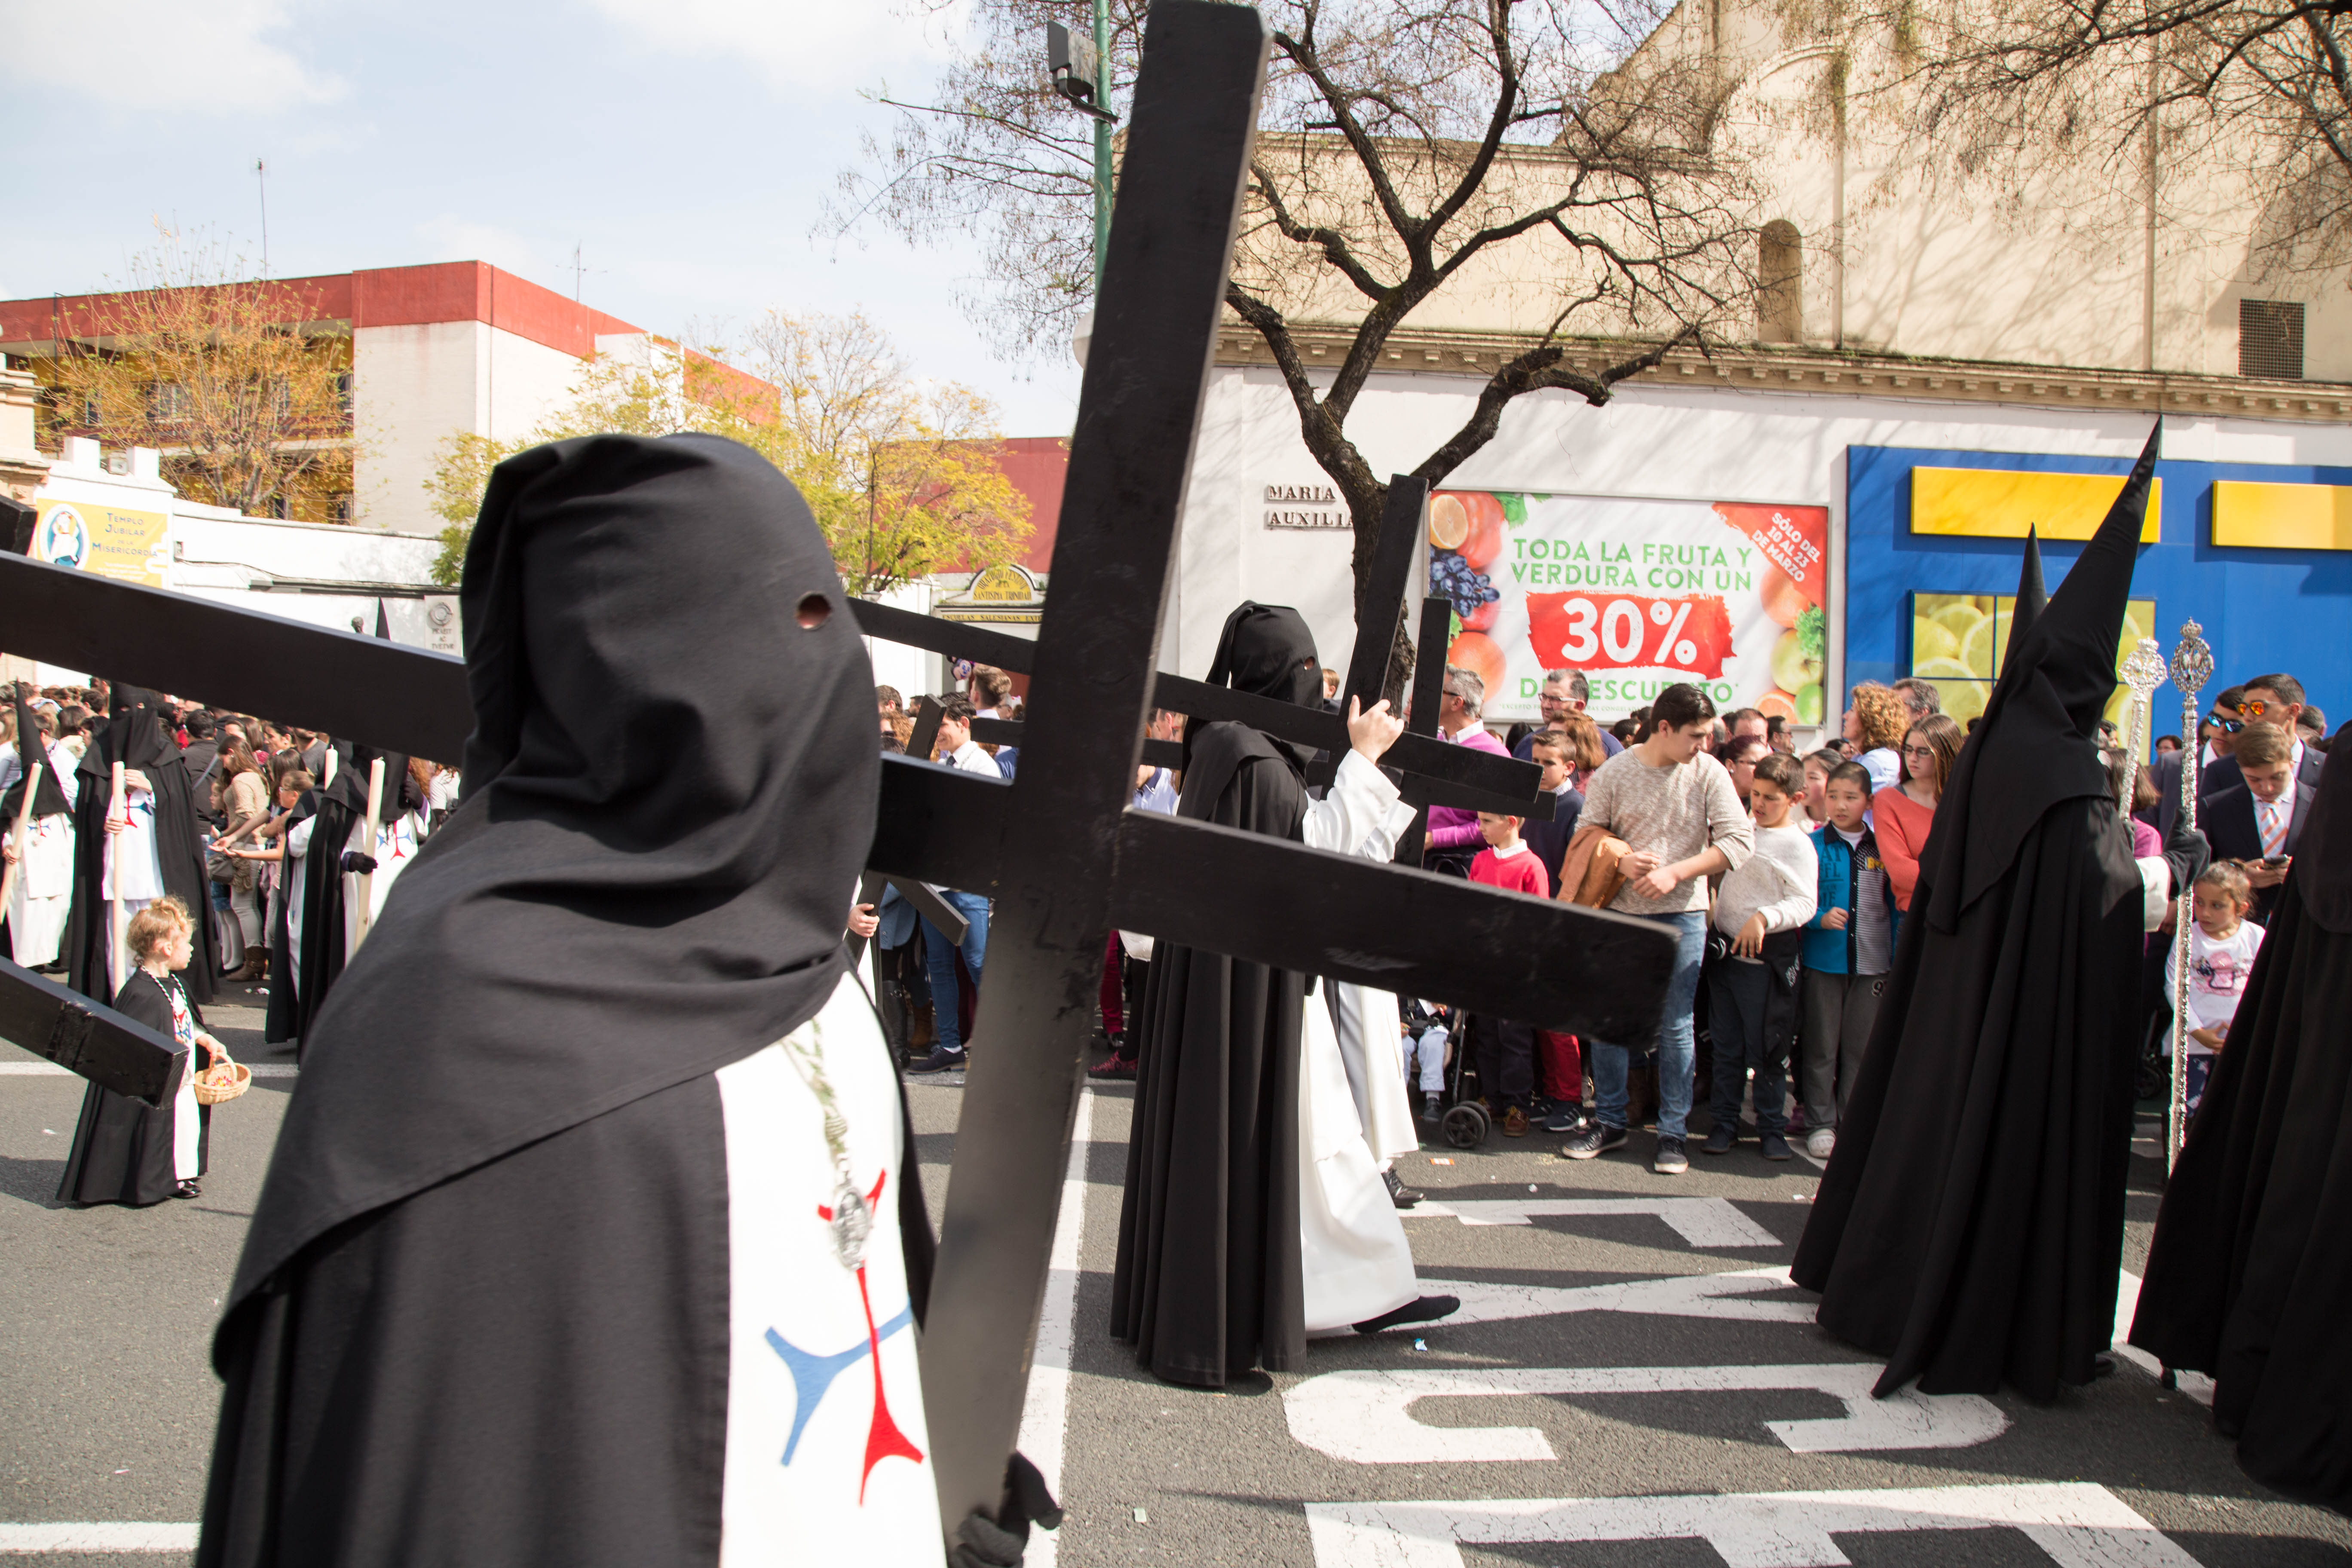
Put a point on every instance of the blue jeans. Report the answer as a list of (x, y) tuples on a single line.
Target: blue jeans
[(1610, 1063), (939, 956)]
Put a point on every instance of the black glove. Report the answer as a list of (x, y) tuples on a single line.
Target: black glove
[(984, 1543), (356, 864), (2187, 854)]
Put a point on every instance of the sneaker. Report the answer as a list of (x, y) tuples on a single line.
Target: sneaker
[(1429, 1110), (1405, 1197), (1821, 1143), (941, 1059), (1598, 1138), (1567, 1118), (1670, 1161), (1111, 1067), (1515, 1122), (1773, 1145), (1720, 1140)]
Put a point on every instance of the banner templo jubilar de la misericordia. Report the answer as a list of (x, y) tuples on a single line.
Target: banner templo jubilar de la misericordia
[(1638, 594)]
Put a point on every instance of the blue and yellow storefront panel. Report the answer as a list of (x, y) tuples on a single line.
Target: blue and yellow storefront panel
[(2259, 554)]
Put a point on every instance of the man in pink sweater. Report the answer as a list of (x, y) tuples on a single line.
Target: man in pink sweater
[(1453, 838)]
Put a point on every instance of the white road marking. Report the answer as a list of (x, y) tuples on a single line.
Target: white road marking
[(1046, 1409), (1700, 1222), (1366, 1417), (26, 1540), (51, 1070), (2079, 1525), (1730, 1296)]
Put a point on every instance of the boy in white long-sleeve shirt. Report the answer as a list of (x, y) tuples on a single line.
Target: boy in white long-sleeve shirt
[(1752, 989)]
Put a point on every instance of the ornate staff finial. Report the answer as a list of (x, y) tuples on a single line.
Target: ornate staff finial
[(2143, 672), (2192, 667)]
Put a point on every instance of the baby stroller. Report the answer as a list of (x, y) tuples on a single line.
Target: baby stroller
[(1464, 1122)]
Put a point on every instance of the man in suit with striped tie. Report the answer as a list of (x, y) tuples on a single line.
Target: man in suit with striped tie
[(2258, 820)]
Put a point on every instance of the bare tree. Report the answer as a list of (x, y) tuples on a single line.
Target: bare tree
[(199, 359), (2258, 89), (1410, 152)]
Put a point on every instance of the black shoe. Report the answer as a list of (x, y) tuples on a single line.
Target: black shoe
[(1423, 1310), (1567, 1118), (1405, 1197), (188, 1189), (1598, 1138), (1670, 1160), (1719, 1141), (1773, 1145), (941, 1059), (1429, 1111), (1113, 1066)]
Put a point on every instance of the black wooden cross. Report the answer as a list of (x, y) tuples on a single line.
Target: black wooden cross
[(1056, 849)]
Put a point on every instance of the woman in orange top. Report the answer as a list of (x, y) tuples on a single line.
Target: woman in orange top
[(1900, 816)]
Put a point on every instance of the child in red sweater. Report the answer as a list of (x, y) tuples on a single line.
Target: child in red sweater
[(1504, 1050)]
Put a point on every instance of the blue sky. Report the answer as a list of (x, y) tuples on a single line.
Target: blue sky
[(685, 145)]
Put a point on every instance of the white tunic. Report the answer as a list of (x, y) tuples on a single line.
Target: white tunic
[(134, 866), (392, 845), (828, 1456), (1356, 1261), (1366, 1023), (43, 890)]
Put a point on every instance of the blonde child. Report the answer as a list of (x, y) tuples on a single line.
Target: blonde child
[(2221, 948)]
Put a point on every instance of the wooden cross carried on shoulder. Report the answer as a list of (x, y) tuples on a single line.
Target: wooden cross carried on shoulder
[(1057, 848)]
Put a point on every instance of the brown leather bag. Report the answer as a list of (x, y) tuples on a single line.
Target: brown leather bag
[(1591, 872)]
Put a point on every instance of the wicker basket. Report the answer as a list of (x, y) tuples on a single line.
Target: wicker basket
[(223, 1081)]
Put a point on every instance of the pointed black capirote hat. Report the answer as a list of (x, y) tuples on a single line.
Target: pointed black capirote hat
[(2026, 607), (2036, 745)]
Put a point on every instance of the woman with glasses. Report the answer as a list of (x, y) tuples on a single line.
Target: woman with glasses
[(1901, 816)]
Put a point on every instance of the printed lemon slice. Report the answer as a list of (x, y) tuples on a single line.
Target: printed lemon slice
[(1961, 616), (1943, 670), (1964, 700), (1977, 649), (1932, 639)]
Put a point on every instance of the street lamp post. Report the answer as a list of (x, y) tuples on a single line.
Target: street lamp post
[(1081, 72)]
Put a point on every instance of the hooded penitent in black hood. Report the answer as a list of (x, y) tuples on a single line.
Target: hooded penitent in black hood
[(135, 736), (483, 1313), (1969, 1226), (668, 794), (2248, 1273)]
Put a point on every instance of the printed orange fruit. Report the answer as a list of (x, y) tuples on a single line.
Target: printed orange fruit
[(1482, 656), (1485, 540)]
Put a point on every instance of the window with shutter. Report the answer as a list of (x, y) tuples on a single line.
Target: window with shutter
[(2269, 338)]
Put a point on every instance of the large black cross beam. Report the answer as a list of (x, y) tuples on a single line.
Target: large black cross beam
[(1056, 849)]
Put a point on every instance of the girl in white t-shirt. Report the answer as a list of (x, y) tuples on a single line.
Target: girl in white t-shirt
[(2221, 948)]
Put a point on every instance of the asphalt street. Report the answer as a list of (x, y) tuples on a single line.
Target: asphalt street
[(1630, 1383)]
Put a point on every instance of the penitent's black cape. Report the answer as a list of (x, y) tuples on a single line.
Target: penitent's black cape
[(338, 805), (1208, 1280), (1969, 1226), (2250, 1274), (135, 737), (482, 1312), (122, 1147)]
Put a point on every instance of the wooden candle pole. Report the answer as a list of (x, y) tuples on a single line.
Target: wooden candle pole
[(367, 879), (118, 962)]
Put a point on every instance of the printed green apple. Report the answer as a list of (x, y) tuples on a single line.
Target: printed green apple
[(1793, 668)]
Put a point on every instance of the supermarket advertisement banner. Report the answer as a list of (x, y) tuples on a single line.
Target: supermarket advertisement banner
[(1638, 594)]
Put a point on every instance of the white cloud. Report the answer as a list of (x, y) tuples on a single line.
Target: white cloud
[(803, 43), (202, 55)]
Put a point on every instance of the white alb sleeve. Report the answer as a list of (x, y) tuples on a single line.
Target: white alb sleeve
[(1352, 810), (2154, 891)]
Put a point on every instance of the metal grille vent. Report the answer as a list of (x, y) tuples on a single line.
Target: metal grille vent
[(2269, 338)]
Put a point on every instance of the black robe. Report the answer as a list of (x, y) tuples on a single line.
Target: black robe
[(2250, 1273), (135, 737), (1205, 1289), (121, 1146), (481, 1316), (284, 1019), (1969, 1226)]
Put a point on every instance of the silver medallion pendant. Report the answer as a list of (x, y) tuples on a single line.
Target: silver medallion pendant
[(853, 1222)]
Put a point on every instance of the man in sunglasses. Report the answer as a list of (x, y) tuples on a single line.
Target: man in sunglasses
[(2275, 700)]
